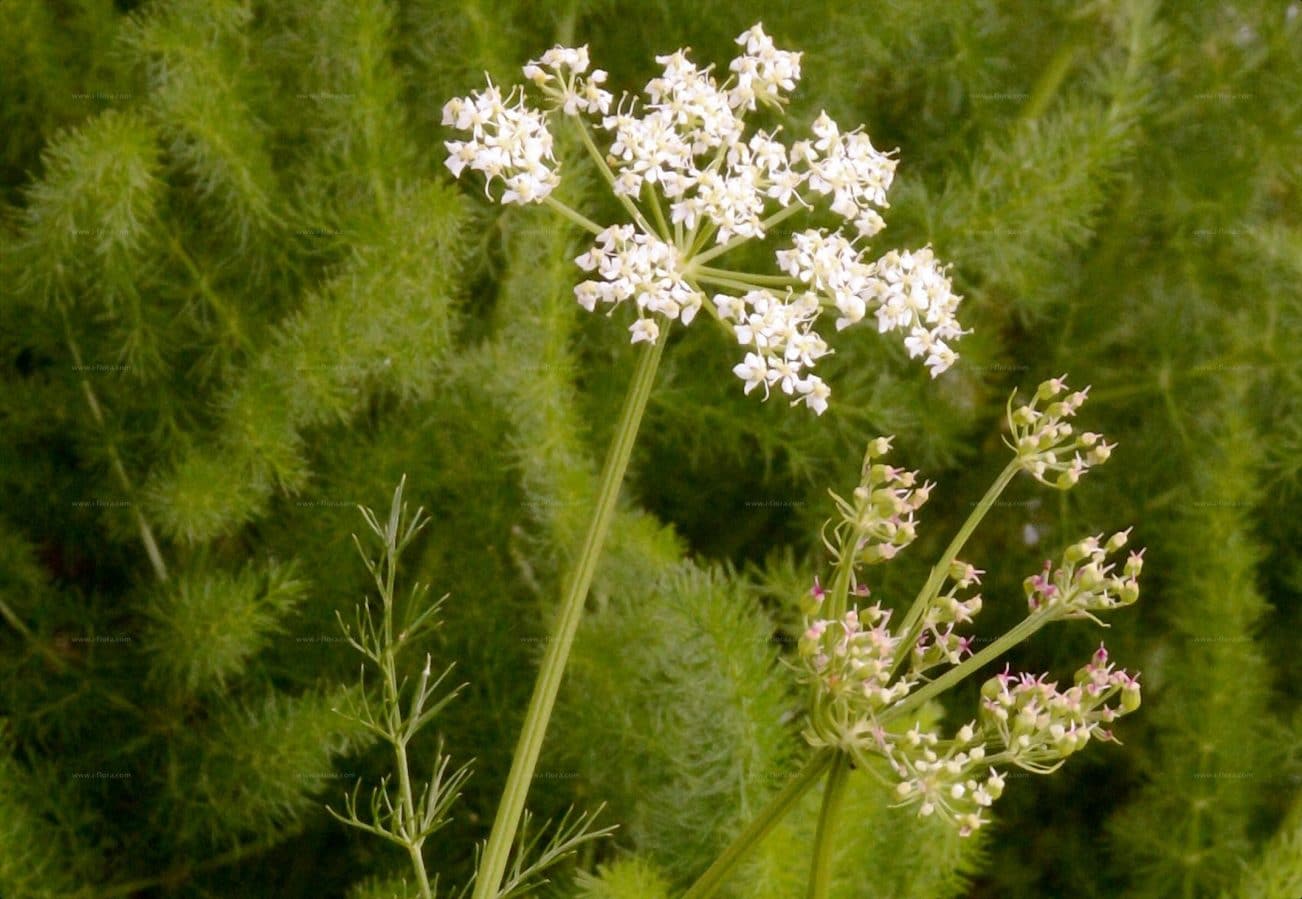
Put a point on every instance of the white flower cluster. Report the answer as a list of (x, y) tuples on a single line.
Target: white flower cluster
[(847, 168), (681, 156), (557, 74), (763, 73), (906, 291), (779, 332), (639, 266), (508, 141)]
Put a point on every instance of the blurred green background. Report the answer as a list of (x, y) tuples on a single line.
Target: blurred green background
[(241, 296)]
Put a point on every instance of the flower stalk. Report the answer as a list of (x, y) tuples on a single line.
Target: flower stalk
[(820, 874), (498, 848), (714, 876)]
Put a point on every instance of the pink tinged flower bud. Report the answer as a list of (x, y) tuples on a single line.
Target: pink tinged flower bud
[(1090, 576), (1024, 416), (880, 446), (1135, 564), (1051, 388)]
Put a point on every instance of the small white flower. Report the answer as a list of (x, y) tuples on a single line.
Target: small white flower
[(508, 141), (753, 371), (644, 329), (814, 393)]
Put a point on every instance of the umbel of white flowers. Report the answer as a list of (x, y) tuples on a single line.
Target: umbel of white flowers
[(685, 149)]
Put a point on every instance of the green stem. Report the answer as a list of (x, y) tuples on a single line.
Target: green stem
[(658, 213), (412, 826), (917, 698), (769, 222), (706, 271), (115, 460), (573, 215), (1050, 81), (498, 848), (725, 282), (705, 229), (409, 827), (215, 302), (606, 173), (941, 569), (180, 874), (760, 826), (820, 874)]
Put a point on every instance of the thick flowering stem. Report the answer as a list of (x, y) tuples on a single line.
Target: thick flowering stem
[(498, 849), (939, 571), (759, 828), (820, 872)]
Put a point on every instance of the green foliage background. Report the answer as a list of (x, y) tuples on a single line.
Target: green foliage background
[(241, 296)]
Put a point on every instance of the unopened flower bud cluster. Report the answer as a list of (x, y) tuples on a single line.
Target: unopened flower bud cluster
[(683, 156), (1086, 582), (862, 672), (1046, 444), (879, 521), (949, 778), (1024, 721), (939, 643), (1038, 725), (851, 658)]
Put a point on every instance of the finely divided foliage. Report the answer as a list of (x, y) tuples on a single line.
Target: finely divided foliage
[(244, 293)]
